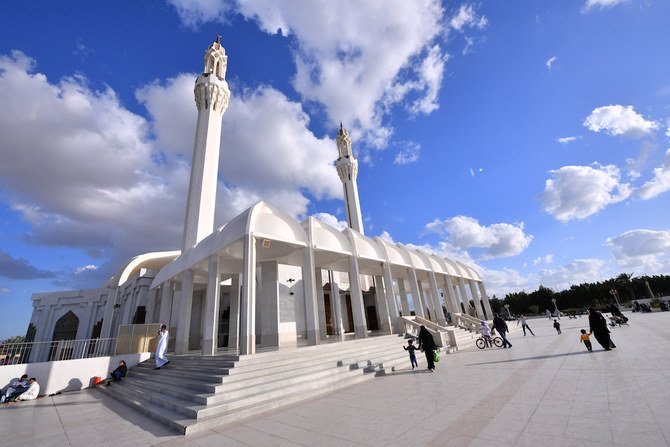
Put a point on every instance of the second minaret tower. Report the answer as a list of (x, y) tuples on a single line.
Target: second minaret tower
[(347, 169)]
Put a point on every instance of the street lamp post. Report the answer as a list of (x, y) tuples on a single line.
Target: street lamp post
[(651, 294), (615, 294), (556, 312), (509, 315)]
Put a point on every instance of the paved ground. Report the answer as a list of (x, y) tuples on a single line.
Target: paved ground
[(545, 391)]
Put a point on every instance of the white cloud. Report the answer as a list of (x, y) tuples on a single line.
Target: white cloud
[(498, 240), (645, 250), (4, 290), (331, 220), (502, 282), (550, 62), (110, 178), (409, 153), (602, 4), (661, 181), (467, 17), (619, 120), (387, 237), (357, 60), (577, 192), (566, 140), (547, 259), (194, 12), (86, 268), (576, 272)]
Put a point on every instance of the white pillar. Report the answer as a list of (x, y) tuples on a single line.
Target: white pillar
[(357, 304), (475, 298), (185, 307), (419, 309), (311, 305), (105, 332), (269, 303), (151, 306), (166, 304), (464, 295), (234, 316), (449, 290), (211, 332), (321, 302), (248, 299), (487, 303), (336, 304), (435, 293), (404, 301), (391, 302), (382, 306)]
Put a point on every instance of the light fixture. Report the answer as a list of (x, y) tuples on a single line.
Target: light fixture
[(266, 243)]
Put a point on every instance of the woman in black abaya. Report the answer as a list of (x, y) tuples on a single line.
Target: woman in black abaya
[(598, 326), (428, 344)]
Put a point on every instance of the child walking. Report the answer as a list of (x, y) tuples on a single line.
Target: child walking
[(584, 338), (412, 357), (557, 326)]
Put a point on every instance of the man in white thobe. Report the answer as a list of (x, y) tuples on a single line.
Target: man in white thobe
[(161, 349), (32, 392)]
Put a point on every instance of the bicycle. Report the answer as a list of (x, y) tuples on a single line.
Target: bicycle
[(495, 341)]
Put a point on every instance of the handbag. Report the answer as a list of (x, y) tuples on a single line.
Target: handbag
[(436, 356)]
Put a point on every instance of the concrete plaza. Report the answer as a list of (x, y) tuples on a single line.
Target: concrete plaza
[(547, 390)]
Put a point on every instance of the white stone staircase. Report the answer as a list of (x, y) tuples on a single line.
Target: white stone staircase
[(195, 392)]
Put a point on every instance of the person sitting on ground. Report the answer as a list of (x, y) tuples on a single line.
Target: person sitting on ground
[(29, 393), (118, 373), (486, 332), (14, 386)]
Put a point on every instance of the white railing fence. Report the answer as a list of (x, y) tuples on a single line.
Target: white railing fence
[(49, 351)]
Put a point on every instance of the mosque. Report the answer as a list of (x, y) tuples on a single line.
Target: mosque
[(264, 279)]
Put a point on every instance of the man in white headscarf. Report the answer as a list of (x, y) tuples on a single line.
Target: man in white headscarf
[(161, 349)]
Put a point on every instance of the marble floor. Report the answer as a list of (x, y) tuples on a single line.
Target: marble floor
[(545, 391)]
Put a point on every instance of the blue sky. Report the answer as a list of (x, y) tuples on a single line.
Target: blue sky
[(529, 139)]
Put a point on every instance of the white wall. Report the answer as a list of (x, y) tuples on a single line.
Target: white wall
[(68, 375)]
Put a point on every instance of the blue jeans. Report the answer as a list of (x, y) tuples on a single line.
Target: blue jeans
[(412, 358)]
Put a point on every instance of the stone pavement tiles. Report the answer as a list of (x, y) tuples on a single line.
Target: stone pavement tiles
[(546, 390)]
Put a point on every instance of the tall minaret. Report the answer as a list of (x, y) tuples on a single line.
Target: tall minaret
[(347, 168), (211, 99)]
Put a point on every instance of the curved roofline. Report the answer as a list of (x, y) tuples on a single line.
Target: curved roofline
[(140, 261)]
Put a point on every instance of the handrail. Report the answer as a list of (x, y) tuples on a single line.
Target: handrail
[(429, 324), (466, 321), (49, 351), (412, 326)]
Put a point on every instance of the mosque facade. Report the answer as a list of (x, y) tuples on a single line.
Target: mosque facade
[(264, 279)]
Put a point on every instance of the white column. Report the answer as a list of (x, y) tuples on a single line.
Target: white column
[(464, 295), (234, 318), (461, 307), (357, 305), (475, 298), (211, 332), (83, 330), (487, 303), (269, 303), (321, 302), (449, 290), (248, 299), (185, 307), (382, 306), (105, 332), (390, 299), (336, 304), (419, 309), (435, 293), (151, 306), (404, 301), (311, 305), (166, 304)]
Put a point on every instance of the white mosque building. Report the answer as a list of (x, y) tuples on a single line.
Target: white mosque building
[(264, 279)]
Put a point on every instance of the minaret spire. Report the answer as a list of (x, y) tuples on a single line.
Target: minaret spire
[(347, 169), (211, 99)]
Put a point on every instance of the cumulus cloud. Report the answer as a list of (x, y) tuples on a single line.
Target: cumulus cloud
[(467, 17), (660, 183), (112, 172), (577, 192), (550, 62), (576, 272), (194, 12), (409, 153), (497, 240), (547, 259), (507, 280), (619, 120), (566, 140), (644, 249), (331, 220), (602, 4), (19, 268)]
